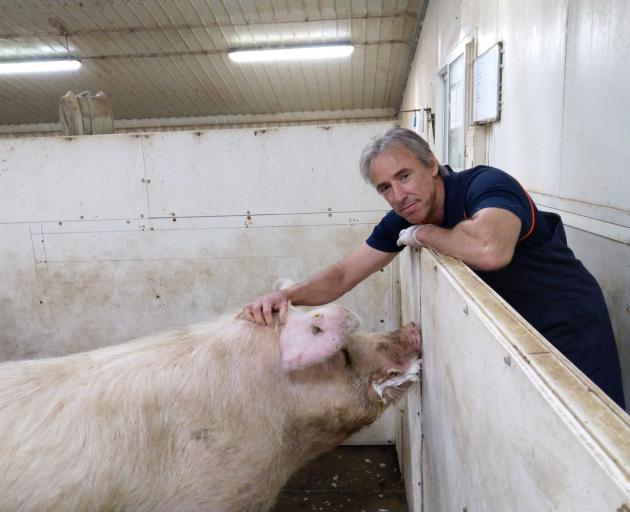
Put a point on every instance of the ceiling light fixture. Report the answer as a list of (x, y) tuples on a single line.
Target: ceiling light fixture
[(38, 66), (294, 53)]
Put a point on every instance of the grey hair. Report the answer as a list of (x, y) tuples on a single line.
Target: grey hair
[(416, 145)]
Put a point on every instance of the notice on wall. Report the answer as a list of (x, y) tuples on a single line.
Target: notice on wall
[(487, 86)]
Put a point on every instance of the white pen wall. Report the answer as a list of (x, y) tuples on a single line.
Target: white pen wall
[(105, 238)]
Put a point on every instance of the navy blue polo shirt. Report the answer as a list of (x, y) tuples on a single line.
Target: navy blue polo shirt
[(544, 282)]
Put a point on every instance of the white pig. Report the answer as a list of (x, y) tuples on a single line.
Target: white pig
[(213, 417)]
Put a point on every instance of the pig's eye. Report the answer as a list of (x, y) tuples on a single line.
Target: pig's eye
[(346, 356), (316, 330)]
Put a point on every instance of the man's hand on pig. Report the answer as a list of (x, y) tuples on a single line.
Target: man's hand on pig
[(409, 236), (261, 310)]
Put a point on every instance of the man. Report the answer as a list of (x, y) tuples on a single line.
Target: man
[(485, 218)]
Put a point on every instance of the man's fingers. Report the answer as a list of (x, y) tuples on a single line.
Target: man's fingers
[(408, 236), (402, 238), (282, 312), (244, 313), (262, 309), (258, 317), (267, 312)]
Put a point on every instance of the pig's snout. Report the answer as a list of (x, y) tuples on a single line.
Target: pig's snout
[(410, 333)]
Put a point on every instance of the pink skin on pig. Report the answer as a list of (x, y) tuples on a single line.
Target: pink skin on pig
[(342, 379), (313, 337), (326, 338)]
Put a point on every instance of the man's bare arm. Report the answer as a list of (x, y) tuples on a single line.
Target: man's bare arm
[(484, 242), (321, 288)]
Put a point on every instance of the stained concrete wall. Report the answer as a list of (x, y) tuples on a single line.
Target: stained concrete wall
[(507, 422), (104, 238), (500, 421)]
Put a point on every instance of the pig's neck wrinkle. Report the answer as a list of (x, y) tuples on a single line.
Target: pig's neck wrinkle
[(322, 428)]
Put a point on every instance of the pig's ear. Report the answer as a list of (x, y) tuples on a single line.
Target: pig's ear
[(313, 337)]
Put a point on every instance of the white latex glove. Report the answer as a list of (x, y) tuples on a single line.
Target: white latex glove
[(408, 236)]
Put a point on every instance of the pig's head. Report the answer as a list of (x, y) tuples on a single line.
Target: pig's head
[(324, 345)]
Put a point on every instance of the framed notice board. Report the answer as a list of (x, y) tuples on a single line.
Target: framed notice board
[(487, 86)]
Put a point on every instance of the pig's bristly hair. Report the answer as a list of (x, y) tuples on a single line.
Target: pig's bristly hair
[(81, 418), (201, 418)]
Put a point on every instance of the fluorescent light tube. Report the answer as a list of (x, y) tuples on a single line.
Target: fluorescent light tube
[(295, 53), (38, 66)]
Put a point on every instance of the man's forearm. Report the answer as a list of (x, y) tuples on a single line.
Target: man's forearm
[(448, 242), (335, 280), (321, 288), (465, 242)]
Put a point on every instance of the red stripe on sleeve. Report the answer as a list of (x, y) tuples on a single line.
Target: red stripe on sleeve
[(531, 209)]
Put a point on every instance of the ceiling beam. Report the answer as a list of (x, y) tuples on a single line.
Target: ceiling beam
[(63, 30)]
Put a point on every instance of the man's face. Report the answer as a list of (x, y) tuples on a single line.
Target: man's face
[(412, 189)]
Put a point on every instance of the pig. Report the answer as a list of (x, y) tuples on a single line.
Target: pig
[(212, 417)]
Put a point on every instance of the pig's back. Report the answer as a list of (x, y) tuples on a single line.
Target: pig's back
[(125, 427)]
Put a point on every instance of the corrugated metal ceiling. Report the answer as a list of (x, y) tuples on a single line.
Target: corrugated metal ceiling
[(168, 59)]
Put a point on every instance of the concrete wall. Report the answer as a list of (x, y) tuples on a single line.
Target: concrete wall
[(507, 424), (564, 131), (500, 420), (104, 238), (409, 425)]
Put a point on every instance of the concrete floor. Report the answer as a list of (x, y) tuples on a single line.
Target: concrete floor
[(348, 479)]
